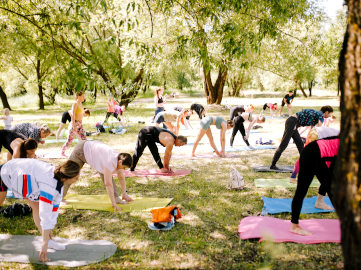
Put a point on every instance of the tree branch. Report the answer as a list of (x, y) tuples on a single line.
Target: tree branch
[(151, 17)]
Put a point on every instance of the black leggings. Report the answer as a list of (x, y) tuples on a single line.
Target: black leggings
[(142, 142), (290, 132), (311, 164), (109, 114), (238, 126)]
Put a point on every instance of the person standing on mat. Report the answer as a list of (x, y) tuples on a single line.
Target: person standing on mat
[(41, 185), (169, 116), (317, 159), (271, 106), (238, 125), (32, 131), (67, 118), (106, 161), (287, 99), (17, 145), (149, 136), (304, 118), (76, 124), (221, 124), (199, 109)]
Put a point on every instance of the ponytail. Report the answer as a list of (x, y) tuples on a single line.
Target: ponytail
[(28, 144), (66, 170)]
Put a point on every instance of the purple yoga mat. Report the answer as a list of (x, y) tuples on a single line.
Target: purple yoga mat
[(155, 173), (203, 156), (323, 230)]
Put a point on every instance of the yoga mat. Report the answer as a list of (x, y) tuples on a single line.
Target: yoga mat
[(246, 148), (156, 173), (203, 156), (278, 205), (9, 194), (59, 141), (283, 182), (286, 168), (102, 203), (26, 248), (323, 230), (277, 117)]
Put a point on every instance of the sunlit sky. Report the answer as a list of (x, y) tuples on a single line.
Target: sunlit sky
[(331, 6)]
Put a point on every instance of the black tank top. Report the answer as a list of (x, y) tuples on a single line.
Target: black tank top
[(7, 136), (160, 99), (153, 133)]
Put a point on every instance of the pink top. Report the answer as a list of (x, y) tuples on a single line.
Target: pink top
[(328, 148), (271, 106), (111, 105), (100, 156)]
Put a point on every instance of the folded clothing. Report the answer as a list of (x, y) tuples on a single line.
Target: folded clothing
[(164, 218)]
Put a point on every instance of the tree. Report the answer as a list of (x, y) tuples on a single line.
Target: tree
[(347, 184)]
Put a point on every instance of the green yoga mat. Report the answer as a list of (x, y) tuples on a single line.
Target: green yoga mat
[(284, 182), (58, 141), (102, 203)]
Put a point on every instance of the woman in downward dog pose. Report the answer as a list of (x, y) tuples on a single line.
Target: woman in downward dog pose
[(41, 184), (317, 159), (17, 144), (168, 117), (221, 124), (76, 124)]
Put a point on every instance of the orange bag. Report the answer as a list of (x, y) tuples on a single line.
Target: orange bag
[(165, 214)]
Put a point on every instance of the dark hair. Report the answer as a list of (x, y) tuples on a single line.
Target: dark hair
[(28, 144), (126, 159), (87, 111), (182, 138), (262, 118), (66, 170), (291, 91), (157, 91), (326, 108), (230, 122)]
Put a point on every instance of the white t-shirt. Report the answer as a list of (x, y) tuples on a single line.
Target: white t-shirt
[(324, 132), (100, 156), (7, 122)]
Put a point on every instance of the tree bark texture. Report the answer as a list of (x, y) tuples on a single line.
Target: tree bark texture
[(214, 93), (301, 88), (347, 184), (127, 97), (40, 85), (4, 99)]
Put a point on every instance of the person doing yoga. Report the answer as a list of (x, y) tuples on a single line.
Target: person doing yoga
[(185, 120), (106, 161), (317, 159), (221, 124), (159, 101), (76, 124), (304, 118), (238, 125), (32, 131), (271, 106), (40, 184), (238, 110), (17, 145), (199, 109), (149, 136), (168, 117), (66, 117), (287, 99)]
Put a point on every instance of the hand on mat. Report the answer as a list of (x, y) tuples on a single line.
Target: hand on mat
[(117, 208), (222, 154), (166, 170), (126, 197), (295, 228)]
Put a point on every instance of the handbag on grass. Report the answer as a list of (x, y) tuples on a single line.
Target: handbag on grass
[(236, 180)]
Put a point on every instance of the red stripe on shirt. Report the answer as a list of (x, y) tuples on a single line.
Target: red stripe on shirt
[(25, 186), (45, 200), (55, 209)]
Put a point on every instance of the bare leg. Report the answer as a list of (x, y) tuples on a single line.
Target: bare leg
[(35, 207), (211, 141), (281, 108), (2, 197), (61, 127), (199, 137), (9, 156), (289, 109)]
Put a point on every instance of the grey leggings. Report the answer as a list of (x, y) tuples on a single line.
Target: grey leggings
[(78, 156), (290, 132)]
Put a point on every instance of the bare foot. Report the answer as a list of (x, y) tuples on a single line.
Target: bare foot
[(120, 201), (293, 180), (296, 229), (322, 205)]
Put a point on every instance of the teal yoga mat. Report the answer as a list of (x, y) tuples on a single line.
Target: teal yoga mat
[(283, 182)]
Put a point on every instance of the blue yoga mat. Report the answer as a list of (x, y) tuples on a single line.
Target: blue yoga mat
[(10, 194), (277, 205), (245, 148)]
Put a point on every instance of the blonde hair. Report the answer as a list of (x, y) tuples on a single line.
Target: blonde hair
[(6, 111), (312, 135), (45, 129)]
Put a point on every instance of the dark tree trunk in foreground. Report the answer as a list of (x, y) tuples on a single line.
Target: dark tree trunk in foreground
[(214, 93), (347, 184), (310, 86), (4, 99), (40, 86), (301, 88)]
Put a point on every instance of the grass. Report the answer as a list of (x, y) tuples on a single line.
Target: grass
[(206, 236)]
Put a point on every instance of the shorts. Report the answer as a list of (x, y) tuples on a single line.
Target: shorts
[(78, 154), (159, 118), (283, 102), (206, 122), (265, 106), (65, 117)]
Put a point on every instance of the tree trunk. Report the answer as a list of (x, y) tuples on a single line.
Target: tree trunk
[(214, 93), (310, 86), (301, 88), (4, 99), (95, 93), (347, 184), (127, 97), (40, 86)]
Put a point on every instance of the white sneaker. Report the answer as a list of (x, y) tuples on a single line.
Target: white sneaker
[(54, 245)]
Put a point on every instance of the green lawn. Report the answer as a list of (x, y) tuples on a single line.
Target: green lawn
[(206, 236)]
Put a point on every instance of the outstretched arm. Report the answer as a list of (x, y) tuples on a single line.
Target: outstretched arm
[(123, 186), (167, 156), (109, 187)]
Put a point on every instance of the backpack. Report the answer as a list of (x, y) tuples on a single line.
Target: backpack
[(236, 180), (16, 210)]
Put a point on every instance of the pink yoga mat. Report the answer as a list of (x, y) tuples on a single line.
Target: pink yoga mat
[(152, 173), (323, 230), (202, 156)]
